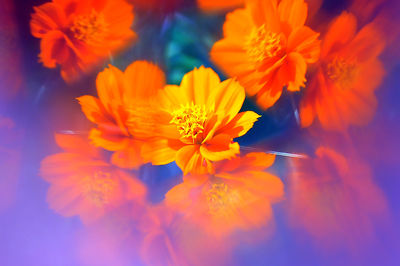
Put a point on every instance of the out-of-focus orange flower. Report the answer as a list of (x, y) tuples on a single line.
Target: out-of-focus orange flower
[(159, 246), (197, 122), (341, 93), (266, 46), (83, 184), (120, 110), (238, 196), (78, 34), (169, 240), (219, 5), (334, 198)]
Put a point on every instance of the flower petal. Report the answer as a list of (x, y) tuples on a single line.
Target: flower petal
[(239, 125)]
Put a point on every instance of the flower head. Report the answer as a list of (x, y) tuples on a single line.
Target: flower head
[(197, 122), (341, 93), (266, 46), (237, 196), (83, 183), (333, 197), (120, 111), (78, 35)]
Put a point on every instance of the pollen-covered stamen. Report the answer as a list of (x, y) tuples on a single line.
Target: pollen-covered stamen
[(262, 44), (342, 72), (190, 119), (89, 28), (98, 188), (221, 199)]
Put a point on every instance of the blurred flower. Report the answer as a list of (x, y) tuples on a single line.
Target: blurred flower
[(83, 183), (197, 122), (78, 35), (341, 92), (169, 240), (219, 5), (158, 246), (238, 196), (266, 46), (120, 111), (334, 198)]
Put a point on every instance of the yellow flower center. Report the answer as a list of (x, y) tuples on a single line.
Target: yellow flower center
[(221, 199), (342, 72), (89, 28), (190, 119), (262, 44), (98, 188)]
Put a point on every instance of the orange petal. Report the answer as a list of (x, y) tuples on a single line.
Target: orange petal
[(293, 12), (160, 151), (144, 79), (109, 142), (305, 41), (47, 17), (53, 49), (75, 143), (296, 71), (265, 12), (218, 5), (198, 84), (129, 157), (238, 24), (93, 109), (340, 32), (219, 148), (239, 125)]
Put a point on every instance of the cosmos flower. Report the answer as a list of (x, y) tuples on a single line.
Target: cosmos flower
[(78, 34), (334, 198), (83, 183), (219, 5), (197, 122), (266, 46), (238, 196), (341, 93), (120, 110), (169, 240)]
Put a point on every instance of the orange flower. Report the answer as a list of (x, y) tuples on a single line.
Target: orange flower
[(266, 46), (78, 34), (219, 5), (83, 184), (341, 92), (334, 198), (237, 196), (120, 110), (169, 240), (197, 122)]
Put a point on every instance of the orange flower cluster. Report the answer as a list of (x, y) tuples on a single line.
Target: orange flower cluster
[(137, 119)]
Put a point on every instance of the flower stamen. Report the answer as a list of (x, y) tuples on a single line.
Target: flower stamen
[(221, 199), (89, 28), (190, 119), (342, 72), (98, 188), (262, 44)]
